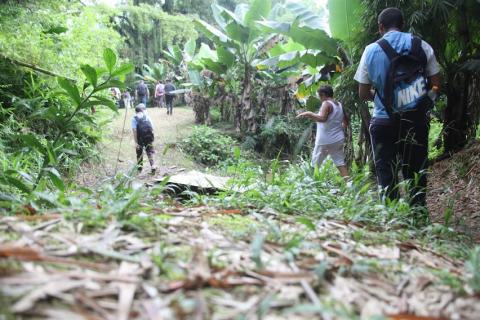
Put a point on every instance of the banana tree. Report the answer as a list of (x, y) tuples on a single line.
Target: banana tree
[(239, 42), (152, 74), (310, 53)]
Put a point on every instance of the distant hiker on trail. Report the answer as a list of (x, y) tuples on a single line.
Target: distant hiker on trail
[(401, 68), (143, 136), (116, 95), (141, 93), (169, 87), (159, 94), (127, 99), (330, 137)]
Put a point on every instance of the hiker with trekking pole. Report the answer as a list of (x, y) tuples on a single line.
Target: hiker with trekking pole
[(142, 127)]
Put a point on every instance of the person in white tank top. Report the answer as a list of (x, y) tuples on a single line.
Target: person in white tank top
[(330, 137)]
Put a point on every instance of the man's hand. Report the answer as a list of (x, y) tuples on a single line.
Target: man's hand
[(138, 147), (303, 115), (365, 92)]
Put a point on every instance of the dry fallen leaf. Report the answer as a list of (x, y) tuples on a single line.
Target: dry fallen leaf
[(50, 289), (405, 316)]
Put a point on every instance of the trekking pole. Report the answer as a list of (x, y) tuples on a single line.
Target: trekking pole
[(121, 140)]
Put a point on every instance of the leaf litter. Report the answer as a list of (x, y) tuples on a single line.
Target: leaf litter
[(193, 269)]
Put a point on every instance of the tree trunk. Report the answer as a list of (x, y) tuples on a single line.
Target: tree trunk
[(364, 143), (455, 120), (247, 112), (286, 102)]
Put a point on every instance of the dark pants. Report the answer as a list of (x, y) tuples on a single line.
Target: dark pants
[(402, 144), (142, 99), (148, 150), (169, 102)]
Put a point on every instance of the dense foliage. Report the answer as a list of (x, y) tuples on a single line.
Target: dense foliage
[(208, 146), (48, 126), (56, 35), (147, 31)]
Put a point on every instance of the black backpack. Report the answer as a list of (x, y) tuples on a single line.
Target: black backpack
[(144, 131), (169, 88), (142, 90), (406, 82)]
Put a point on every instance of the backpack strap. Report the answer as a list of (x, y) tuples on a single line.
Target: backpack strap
[(387, 48), (387, 99), (418, 51)]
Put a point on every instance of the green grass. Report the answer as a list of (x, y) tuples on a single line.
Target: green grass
[(435, 131)]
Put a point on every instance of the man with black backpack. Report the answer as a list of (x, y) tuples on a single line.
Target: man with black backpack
[(169, 96), (405, 74), (143, 136), (141, 93)]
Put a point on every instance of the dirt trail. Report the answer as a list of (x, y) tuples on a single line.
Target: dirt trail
[(169, 130), (454, 192)]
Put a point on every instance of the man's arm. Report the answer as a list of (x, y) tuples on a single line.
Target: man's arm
[(435, 81), (135, 136), (322, 116), (365, 92)]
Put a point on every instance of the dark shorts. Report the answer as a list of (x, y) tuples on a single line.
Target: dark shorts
[(148, 150)]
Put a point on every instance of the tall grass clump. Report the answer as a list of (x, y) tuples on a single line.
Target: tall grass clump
[(318, 192)]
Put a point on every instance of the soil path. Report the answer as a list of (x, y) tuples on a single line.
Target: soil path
[(168, 130)]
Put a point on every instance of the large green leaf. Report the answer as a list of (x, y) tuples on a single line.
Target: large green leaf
[(307, 29), (282, 48), (313, 58), (306, 17), (313, 103), (102, 101), (276, 26), (123, 70), (90, 73), (189, 49), (225, 56), (217, 15), (55, 177), (214, 66), (259, 9), (173, 54), (195, 77), (206, 52), (344, 18), (32, 141), (241, 11), (70, 89), (17, 183), (211, 32), (110, 58), (238, 32), (110, 84), (312, 38)]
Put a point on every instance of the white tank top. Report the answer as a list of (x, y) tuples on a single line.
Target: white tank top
[(331, 131)]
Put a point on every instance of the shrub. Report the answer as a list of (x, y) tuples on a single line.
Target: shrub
[(473, 267), (285, 134), (208, 146)]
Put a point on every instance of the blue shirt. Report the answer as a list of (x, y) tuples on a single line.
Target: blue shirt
[(140, 115), (374, 64)]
